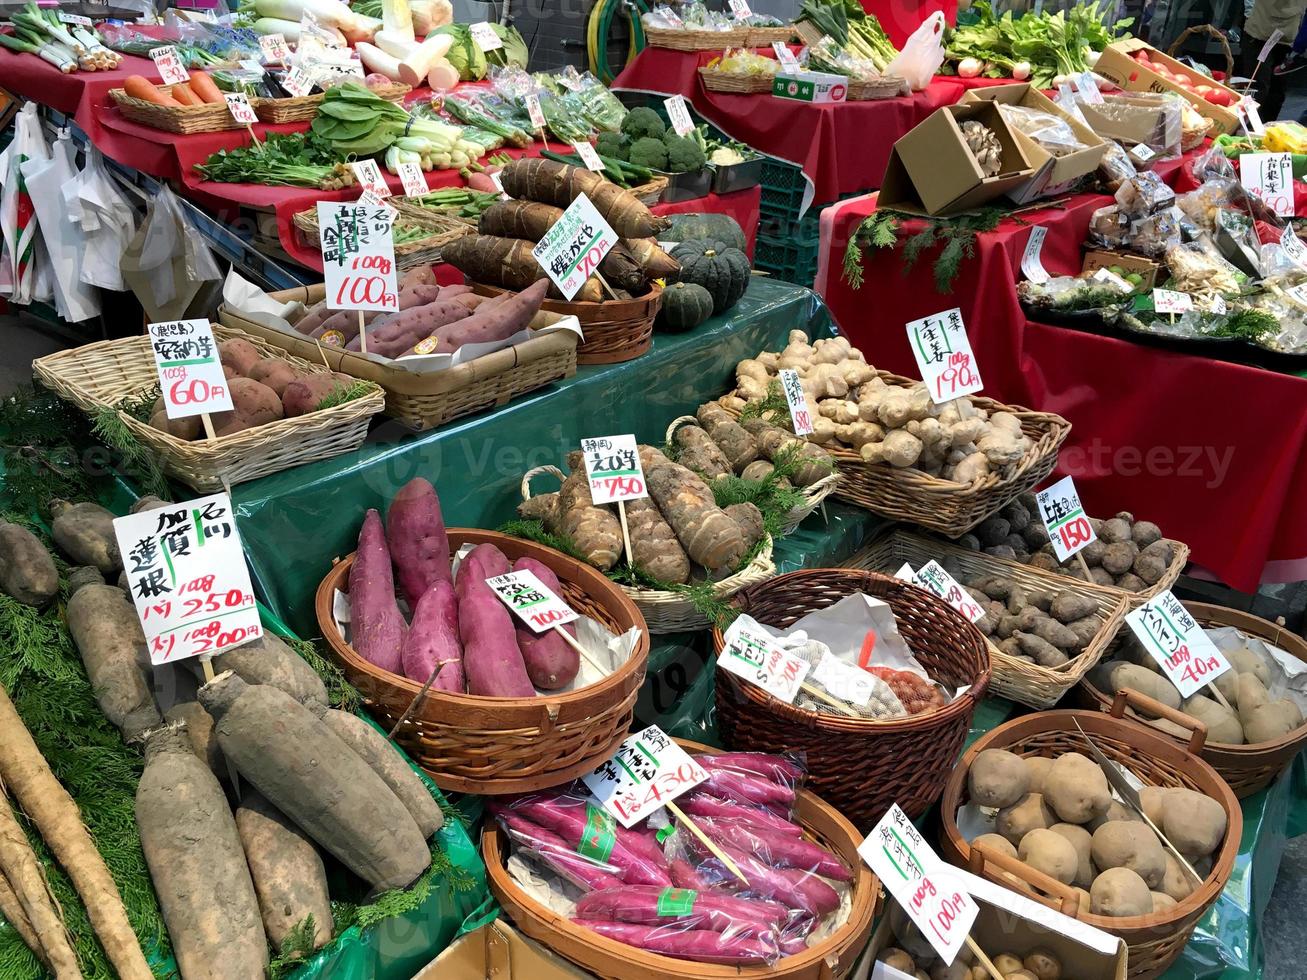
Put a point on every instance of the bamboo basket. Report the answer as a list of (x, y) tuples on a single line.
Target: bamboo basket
[(813, 495), (762, 37), (1030, 684), (615, 330), (1154, 941), (1247, 768), (302, 108), (691, 40), (738, 82), (426, 400), (441, 230), (862, 766), (672, 612), (207, 118), (885, 87), (651, 192), (99, 376), (831, 958), (491, 745)]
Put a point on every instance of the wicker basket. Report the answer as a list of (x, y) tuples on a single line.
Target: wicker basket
[(302, 108), (691, 40), (615, 330), (650, 192), (441, 230), (426, 400), (762, 37), (672, 612), (1030, 684), (207, 118), (101, 375), (886, 87), (1153, 941), (1247, 768), (862, 766), (830, 958), (813, 495), (491, 746), (738, 82)]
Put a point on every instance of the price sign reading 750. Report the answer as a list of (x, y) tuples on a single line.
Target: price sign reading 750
[(612, 465)]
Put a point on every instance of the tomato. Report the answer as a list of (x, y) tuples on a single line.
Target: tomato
[(1182, 78)]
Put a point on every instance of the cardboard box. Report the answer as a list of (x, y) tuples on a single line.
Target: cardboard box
[(1129, 120), (497, 952), (1050, 177), (931, 171), (1102, 259), (1117, 64), (811, 86)]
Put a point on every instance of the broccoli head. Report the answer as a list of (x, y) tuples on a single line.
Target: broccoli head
[(649, 152), (643, 121), (611, 145), (684, 154)]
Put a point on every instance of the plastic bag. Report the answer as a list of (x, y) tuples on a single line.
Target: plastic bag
[(1052, 133), (18, 222), (686, 908), (167, 261), (1144, 194), (75, 301), (106, 218), (1115, 166), (922, 55)]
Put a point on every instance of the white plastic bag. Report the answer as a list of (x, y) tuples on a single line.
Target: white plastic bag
[(74, 300), (922, 54), (17, 215), (106, 218)]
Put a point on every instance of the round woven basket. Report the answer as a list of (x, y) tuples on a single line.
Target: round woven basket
[(1154, 941), (692, 40), (737, 82), (761, 37), (1247, 768), (671, 612), (490, 746), (616, 330), (832, 957), (862, 766)]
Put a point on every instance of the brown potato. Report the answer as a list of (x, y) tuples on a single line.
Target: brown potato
[(275, 373), (1076, 788), (1080, 839), (1222, 724), (1195, 824), (188, 428), (1027, 814), (1130, 844), (1006, 963), (1038, 766), (1270, 721), (1119, 892), (1163, 902), (1153, 801), (1177, 883), (1044, 965), (253, 405), (239, 355), (996, 842), (997, 778), (1050, 853), (899, 960)]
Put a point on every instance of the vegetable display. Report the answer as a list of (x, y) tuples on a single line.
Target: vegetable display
[(918, 957), (858, 33), (69, 47)]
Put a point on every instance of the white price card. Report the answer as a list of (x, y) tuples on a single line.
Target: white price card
[(1031, 264), (648, 771), (1172, 301), (1250, 115), (499, 184), (1173, 638), (926, 888), (369, 198), (413, 179), (679, 113), (943, 351), (1087, 88), (534, 111), (1142, 153), (298, 81), (190, 372), (785, 56), (253, 66), (739, 9), (274, 48), (368, 174), (574, 246), (531, 600), (1269, 46), (1293, 247), (846, 681), (1298, 294), (934, 579), (169, 63), (485, 37), (612, 465), (186, 572), (76, 20), (1111, 278), (800, 417), (1217, 305), (754, 656), (1270, 177), (239, 107), (358, 256), (588, 156), (1065, 520)]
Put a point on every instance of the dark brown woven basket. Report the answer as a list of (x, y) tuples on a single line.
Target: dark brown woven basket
[(862, 766)]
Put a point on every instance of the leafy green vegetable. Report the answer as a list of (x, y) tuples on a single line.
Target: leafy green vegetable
[(289, 159), (957, 236)]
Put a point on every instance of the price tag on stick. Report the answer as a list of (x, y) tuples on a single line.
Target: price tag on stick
[(187, 576), (648, 771), (754, 656), (943, 351), (1065, 520), (1270, 177), (537, 116), (1172, 301), (190, 372), (531, 600), (934, 579), (358, 258), (612, 465), (169, 63), (1031, 264), (800, 417), (789, 63), (1173, 638), (274, 49), (298, 81), (574, 246), (739, 9), (368, 174), (485, 37), (413, 179), (679, 113), (1293, 247), (588, 156)]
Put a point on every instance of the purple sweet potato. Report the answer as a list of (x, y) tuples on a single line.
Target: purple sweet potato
[(433, 641), (798, 890), (493, 561), (586, 873), (313, 317), (401, 331), (346, 322), (711, 910), (419, 546), (731, 785), (551, 662), (419, 275), (778, 850), (778, 768), (376, 624), (703, 805), (701, 945), (492, 661), (494, 323), (568, 816), (685, 876)]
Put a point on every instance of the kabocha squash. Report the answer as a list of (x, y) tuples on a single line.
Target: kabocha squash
[(685, 306), (717, 267), (704, 227)]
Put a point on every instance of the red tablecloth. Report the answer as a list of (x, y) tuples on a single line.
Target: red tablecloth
[(79, 94), (841, 148), (1188, 442)]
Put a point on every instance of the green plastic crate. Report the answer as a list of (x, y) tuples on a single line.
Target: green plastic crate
[(783, 186), (793, 259)]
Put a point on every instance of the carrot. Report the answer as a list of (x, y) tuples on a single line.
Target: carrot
[(203, 86), (53, 812), (139, 87), (29, 885), (183, 94)]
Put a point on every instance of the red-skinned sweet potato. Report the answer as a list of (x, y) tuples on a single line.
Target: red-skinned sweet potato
[(377, 627), (239, 355), (417, 276), (551, 662), (492, 661), (499, 322), (396, 335), (777, 849), (702, 805), (710, 910), (275, 373), (305, 393), (798, 890), (253, 404), (570, 818), (419, 546), (583, 872), (700, 945), (313, 317), (433, 641), (768, 765)]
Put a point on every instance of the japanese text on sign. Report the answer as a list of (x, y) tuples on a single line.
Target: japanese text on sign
[(739, 9), (1031, 264), (785, 56), (186, 573), (485, 37), (1068, 526), (298, 81), (679, 114), (368, 174), (1270, 177), (170, 66), (1174, 639), (922, 884), (943, 352), (612, 465), (533, 110), (533, 601), (933, 578), (648, 771), (190, 372), (1087, 88), (239, 107), (1172, 301), (1293, 247), (274, 48), (800, 416), (413, 179), (755, 656), (573, 248), (358, 256), (588, 156), (845, 681)]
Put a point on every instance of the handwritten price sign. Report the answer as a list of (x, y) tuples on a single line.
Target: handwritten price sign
[(925, 887), (358, 256), (169, 63), (190, 372), (800, 417), (573, 248), (1068, 527), (943, 352), (239, 107), (533, 601), (648, 771), (755, 657), (1174, 639), (187, 576), (274, 48), (1172, 301), (1270, 177), (679, 114), (933, 578), (612, 465)]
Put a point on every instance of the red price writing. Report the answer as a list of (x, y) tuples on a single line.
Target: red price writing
[(957, 376), (666, 785), (234, 599), (593, 257), (365, 289), (624, 485), (547, 616), (202, 584), (1198, 669), (778, 665), (377, 262), (924, 890), (211, 637), (1074, 533), (802, 420), (196, 390), (949, 911)]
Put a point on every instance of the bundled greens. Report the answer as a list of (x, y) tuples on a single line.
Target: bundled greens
[(471, 62), (354, 122), (857, 32), (459, 202), (290, 159), (66, 46), (477, 111)]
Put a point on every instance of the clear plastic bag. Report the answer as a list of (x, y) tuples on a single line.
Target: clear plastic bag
[(1115, 167), (1153, 235), (1108, 227), (1051, 132), (1144, 194), (686, 908), (922, 54)]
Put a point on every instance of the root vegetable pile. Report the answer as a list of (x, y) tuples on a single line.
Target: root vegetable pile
[(917, 958)]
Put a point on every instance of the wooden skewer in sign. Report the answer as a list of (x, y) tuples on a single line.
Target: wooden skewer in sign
[(834, 702), (716, 851), (985, 961), (363, 335), (575, 645), (626, 532), (1084, 568)]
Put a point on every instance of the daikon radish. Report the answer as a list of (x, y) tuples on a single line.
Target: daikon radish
[(361, 29), (443, 76), (374, 59), (397, 19), (395, 44), (414, 68)]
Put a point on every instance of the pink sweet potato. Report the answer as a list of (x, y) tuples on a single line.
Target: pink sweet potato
[(499, 322), (377, 626), (685, 876), (711, 910), (778, 850), (586, 873), (551, 662), (417, 276), (798, 890), (401, 331), (313, 317), (305, 393), (778, 768), (703, 805), (568, 816), (731, 785), (433, 641), (701, 945), (419, 295), (346, 322), (493, 561), (419, 546), (492, 662)]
